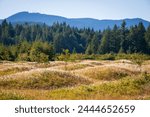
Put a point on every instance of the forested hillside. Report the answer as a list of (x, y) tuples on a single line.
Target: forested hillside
[(35, 42)]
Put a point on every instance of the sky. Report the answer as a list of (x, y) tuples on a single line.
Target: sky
[(98, 9)]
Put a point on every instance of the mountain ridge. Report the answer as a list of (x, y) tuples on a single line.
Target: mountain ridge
[(96, 24)]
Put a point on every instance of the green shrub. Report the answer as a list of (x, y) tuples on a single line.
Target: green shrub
[(23, 57)]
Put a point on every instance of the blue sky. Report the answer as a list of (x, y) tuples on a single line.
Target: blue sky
[(99, 9)]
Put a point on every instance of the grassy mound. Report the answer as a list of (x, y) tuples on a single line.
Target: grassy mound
[(43, 80), (13, 70), (137, 87), (128, 88), (106, 73), (74, 67)]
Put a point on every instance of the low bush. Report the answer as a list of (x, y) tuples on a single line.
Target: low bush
[(109, 56)]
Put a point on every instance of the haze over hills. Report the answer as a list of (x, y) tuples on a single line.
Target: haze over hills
[(96, 24)]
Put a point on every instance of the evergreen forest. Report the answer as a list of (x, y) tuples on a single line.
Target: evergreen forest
[(39, 42)]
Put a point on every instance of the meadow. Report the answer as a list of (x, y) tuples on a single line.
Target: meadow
[(76, 79)]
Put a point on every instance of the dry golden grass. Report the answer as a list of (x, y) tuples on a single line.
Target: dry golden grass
[(106, 73), (87, 79), (42, 80), (137, 87), (71, 67), (13, 70)]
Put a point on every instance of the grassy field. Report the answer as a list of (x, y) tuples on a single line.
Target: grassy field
[(82, 79)]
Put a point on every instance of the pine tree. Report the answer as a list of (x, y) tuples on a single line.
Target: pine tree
[(11, 31), (123, 43), (147, 38), (115, 40), (95, 44), (105, 42), (136, 40), (5, 33)]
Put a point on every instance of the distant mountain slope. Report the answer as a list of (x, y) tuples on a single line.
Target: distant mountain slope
[(76, 22)]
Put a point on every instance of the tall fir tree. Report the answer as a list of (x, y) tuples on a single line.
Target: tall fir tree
[(105, 42), (123, 43), (147, 39)]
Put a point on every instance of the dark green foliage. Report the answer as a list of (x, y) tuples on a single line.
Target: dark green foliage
[(93, 45), (136, 40), (5, 53), (123, 38), (67, 38), (147, 39), (105, 46), (40, 42)]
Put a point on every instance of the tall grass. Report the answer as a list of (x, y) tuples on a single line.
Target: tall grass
[(127, 88), (107, 73), (78, 80), (74, 67), (44, 80), (4, 95), (13, 70)]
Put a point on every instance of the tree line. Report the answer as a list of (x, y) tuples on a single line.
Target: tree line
[(39, 42)]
